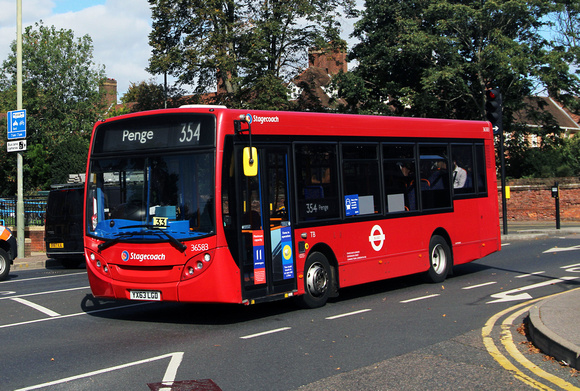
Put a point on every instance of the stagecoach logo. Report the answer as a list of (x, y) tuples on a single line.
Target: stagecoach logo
[(377, 235), (125, 256), (261, 120)]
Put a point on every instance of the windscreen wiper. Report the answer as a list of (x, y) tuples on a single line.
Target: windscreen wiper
[(109, 242), (180, 246)]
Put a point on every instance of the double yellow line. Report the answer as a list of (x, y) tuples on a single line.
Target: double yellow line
[(509, 345)]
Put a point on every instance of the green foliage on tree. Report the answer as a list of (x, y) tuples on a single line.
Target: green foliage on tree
[(437, 58), (148, 95), (241, 48), (430, 58), (60, 91)]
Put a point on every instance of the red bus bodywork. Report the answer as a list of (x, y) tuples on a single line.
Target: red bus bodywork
[(359, 250)]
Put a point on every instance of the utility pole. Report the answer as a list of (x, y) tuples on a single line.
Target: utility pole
[(20, 220), (494, 113)]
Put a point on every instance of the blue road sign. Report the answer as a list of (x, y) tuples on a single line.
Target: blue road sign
[(16, 124)]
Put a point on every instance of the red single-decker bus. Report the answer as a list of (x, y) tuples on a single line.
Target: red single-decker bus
[(209, 204)]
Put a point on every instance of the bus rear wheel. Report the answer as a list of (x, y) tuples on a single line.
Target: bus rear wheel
[(316, 281), (440, 259)]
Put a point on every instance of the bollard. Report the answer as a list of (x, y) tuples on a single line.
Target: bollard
[(556, 196)]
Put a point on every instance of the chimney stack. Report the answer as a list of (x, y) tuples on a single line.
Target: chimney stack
[(332, 61), (109, 90)]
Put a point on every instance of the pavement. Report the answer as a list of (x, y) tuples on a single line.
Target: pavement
[(554, 322)]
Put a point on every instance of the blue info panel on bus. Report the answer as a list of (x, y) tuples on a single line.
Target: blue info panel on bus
[(351, 205), (287, 257)]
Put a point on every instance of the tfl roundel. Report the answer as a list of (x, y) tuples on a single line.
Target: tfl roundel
[(125, 256)]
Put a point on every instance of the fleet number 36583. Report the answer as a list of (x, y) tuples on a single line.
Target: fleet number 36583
[(200, 247)]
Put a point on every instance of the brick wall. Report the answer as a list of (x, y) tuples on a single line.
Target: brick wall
[(531, 199), (33, 239), (36, 235)]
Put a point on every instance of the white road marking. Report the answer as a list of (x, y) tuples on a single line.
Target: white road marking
[(573, 265), (40, 278), (347, 314), (420, 298), (45, 292), (529, 274), (510, 296), (265, 333), (71, 315), (479, 285), (37, 307), (560, 249), (4, 293), (171, 369)]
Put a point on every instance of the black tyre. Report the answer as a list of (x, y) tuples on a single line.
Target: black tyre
[(4, 265), (440, 259), (317, 281)]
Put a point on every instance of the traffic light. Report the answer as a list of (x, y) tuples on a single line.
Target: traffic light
[(493, 109)]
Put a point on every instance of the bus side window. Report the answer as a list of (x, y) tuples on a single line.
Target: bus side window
[(316, 181), (400, 177), (360, 173), (480, 171), (435, 177), (462, 168)]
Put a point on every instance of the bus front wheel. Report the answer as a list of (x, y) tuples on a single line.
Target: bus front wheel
[(316, 281), (440, 259)]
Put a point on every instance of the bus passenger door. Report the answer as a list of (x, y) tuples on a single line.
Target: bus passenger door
[(267, 252)]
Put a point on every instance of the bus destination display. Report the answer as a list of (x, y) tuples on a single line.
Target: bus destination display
[(163, 131)]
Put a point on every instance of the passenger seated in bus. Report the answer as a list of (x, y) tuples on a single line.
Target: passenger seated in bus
[(459, 176), (438, 178), (408, 172)]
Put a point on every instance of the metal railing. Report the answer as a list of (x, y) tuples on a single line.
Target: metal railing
[(34, 210)]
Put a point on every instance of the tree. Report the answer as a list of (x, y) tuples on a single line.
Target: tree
[(61, 95), (150, 95), (562, 83), (194, 41), (239, 47), (437, 59)]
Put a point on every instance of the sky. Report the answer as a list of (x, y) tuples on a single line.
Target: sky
[(119, 30)]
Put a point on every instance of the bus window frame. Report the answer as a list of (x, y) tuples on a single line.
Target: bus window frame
[(377, 159), (479, 169), (338, 183)]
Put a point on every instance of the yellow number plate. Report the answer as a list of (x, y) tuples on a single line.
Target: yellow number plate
[(160, 222), (56, 245)]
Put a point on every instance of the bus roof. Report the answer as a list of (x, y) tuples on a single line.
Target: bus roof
[(331, 124)]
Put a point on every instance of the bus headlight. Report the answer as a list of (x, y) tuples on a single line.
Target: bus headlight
[(98, 264), (197, 265)]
